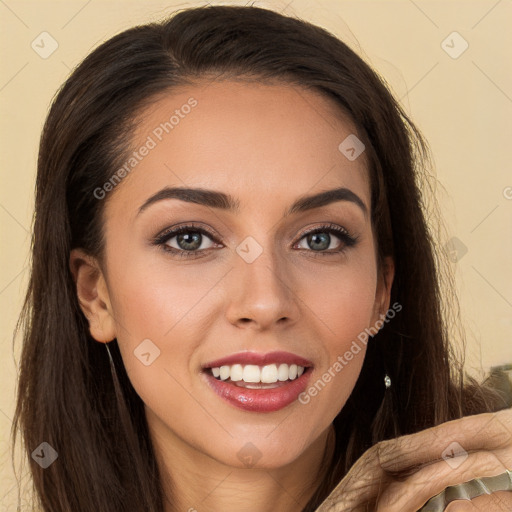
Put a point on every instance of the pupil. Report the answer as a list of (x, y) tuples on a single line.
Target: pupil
[(317, 237), (190, 241)]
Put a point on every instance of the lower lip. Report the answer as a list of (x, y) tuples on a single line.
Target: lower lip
[(259, 400)]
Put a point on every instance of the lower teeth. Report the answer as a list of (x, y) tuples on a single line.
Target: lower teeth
[(254, 385), (260, 385)]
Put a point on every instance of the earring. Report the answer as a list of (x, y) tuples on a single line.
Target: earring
[(112, 366), (387, 378)]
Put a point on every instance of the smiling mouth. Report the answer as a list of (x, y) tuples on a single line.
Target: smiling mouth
[(265, 388), (251, 376)]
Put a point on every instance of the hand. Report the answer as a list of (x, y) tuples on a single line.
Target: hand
[(401, 474)]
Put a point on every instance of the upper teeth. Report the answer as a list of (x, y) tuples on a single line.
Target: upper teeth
[(253, 373)]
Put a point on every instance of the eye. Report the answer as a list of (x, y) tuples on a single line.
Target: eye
[(320, 239), (186, 240), (193, 241)]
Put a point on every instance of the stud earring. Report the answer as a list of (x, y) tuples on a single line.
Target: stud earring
[(387, 381)]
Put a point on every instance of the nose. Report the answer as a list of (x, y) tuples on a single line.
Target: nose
[(261, 293)]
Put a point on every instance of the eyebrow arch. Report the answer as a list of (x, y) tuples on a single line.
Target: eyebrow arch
[(215, 199)]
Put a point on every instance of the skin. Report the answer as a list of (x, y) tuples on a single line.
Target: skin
[(266, 145), (401, 474)]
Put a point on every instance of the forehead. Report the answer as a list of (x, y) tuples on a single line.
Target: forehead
[(262, 143)]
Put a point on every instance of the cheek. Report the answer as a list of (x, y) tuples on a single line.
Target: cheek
[(342, 297), (152, 301), (344, 303)]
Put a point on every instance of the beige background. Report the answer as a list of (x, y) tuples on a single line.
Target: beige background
[(463, 106)]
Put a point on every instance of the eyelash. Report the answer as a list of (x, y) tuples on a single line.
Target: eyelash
[(346, 238)]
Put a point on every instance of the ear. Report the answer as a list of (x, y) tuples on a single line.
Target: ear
[(385, 278), (93, 297)]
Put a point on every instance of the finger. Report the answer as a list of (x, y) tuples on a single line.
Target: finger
[(489, 431), (413, 492), (388, 461), (359, 488), (496, 502)]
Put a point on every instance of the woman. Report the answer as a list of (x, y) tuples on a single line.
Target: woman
[(234, 301)]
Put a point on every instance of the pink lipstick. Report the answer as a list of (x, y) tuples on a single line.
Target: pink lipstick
[(258, 382)]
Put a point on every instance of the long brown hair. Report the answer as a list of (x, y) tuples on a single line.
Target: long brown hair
[(69, 397)]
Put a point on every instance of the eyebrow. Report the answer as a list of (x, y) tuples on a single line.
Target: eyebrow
[(220, 200)]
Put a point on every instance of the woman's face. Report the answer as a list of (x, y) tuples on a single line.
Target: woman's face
[(256, 283)]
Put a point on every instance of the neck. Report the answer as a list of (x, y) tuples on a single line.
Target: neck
[(195, 482)]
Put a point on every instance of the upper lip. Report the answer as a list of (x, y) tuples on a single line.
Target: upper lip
[(259, 359)]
